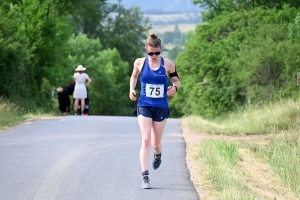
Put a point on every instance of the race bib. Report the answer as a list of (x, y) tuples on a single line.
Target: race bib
[(155, 90)]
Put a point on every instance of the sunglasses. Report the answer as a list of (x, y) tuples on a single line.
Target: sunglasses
[(152, 53)]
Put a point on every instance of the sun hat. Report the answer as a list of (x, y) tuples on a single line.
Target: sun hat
[(80, 68), (59, 89)]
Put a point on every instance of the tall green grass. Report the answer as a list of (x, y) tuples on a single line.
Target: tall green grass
[(10, 114), (284, 157), (279, 120), (252, 120), (221, 158)]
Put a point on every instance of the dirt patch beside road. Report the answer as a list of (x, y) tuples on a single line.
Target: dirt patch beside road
[(258, 174)]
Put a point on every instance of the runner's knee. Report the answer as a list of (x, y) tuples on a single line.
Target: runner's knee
[(146, 142)]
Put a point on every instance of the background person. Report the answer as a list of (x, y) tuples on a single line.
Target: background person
[(86, 110), (153, 107), (80, 92), (64, 101)]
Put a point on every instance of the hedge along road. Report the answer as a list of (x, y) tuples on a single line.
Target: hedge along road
[(89, 158)]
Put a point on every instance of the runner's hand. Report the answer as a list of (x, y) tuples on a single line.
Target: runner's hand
[(171, 91), (132, 95)]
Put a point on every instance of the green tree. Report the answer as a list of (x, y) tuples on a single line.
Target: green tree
[(108, 92), (189, 36), (172, 54), (294, 29), (267, 64), (16, 53), (126, 32), (123, 29), (44, 35), (237, 57), (88, 17), (217, 7), (168, 37), (35, 44), (48, 34), (177, 33)]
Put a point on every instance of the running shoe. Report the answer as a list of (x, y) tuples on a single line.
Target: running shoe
[(145, 183), (156, 162)]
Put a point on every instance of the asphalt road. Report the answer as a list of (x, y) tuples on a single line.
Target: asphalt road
[(89, 158)]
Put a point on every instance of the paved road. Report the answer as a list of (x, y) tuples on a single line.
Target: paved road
[(88, 158)]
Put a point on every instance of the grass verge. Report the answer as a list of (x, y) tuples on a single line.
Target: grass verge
[(12, 115), (265, 119), (284, 157), (221, 158), (250, 154)]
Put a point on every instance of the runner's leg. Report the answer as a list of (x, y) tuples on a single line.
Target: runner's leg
[(156, 135), (145, 127)]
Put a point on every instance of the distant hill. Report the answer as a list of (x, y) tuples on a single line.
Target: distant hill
[(162, 6)]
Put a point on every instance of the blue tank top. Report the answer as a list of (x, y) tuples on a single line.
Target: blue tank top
[(157, 80)]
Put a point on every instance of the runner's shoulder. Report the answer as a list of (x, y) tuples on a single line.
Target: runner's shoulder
[(138, 63), (169, 64)]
